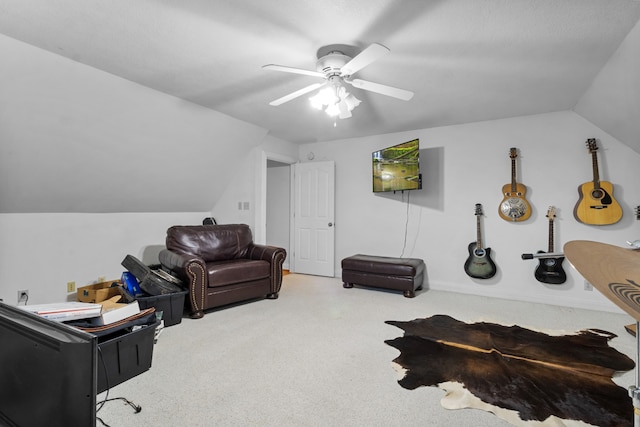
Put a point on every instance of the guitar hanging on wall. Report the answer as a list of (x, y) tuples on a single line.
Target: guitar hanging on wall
[(514, 205), (596, 205), (479, 264), (550, 269)]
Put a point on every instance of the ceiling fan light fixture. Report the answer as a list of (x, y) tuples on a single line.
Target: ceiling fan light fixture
[(326, 96), (351, 101), (337, 100)]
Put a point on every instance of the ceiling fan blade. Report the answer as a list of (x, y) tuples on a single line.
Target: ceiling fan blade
[(373, 52), (402, 94), (292, 70), (296, 94)]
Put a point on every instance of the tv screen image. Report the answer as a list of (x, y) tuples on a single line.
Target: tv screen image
[(397, 168)]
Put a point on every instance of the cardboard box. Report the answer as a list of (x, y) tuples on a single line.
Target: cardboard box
[(99, 291)]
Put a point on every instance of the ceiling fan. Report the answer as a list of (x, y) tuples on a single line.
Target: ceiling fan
[(337, 68)]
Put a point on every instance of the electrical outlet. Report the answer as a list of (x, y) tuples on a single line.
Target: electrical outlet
[(588, 286), (71, 287), (23, 295)]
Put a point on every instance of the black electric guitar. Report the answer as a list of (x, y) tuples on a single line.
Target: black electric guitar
[(550, 269), (479, 264), (596, 205), (514, 205)]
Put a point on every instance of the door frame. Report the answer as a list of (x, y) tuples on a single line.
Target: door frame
[(260, 232), (260, 218)]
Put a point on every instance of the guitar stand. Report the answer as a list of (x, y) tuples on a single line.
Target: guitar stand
[(634, 391), (542, 255)]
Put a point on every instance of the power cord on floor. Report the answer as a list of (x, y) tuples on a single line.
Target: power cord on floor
[(137, 408), (106, 399)]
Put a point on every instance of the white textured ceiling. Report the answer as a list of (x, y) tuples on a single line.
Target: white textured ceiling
[(466, 60)]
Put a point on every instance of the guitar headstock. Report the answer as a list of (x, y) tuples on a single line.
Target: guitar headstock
[(513, 153), (591, 143), (478, 209), (551, 213)]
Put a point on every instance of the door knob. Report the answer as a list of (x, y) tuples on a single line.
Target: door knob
[(330, 224)]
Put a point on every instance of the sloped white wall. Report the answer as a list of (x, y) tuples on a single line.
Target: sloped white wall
[(77, 139), (467, 164), (612, 102)]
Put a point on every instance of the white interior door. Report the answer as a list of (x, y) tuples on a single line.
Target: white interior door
[(313, 218)]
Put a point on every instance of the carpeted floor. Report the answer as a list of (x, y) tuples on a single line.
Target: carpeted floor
[(317, 357)]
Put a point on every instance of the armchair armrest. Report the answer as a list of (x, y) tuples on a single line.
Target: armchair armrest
[(193, 269), (175, 261), (275, 257)]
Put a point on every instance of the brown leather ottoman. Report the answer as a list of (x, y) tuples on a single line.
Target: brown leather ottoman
[(402, 274)]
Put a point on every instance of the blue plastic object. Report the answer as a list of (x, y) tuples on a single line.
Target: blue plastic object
[(131, 283)]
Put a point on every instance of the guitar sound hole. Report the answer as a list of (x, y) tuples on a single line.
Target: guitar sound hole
[(597, 194), (479, 253), (549, 262)]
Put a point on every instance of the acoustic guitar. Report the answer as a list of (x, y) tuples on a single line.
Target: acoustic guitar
[(479, 264), (596, 205), (514, 205), (550, 269)]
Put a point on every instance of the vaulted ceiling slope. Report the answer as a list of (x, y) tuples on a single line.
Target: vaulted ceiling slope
[(466, 60)]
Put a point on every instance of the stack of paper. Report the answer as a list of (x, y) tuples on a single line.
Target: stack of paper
[(64, 311)]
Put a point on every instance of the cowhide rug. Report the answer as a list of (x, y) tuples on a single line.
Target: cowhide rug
[(523, 376)]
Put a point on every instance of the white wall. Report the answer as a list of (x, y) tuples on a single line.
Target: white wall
[(468, 164), (248, 184), (42, 252)]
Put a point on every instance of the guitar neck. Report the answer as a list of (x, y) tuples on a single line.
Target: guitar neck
[(478, 233), (596, 175), (514, 186), (550, 236)]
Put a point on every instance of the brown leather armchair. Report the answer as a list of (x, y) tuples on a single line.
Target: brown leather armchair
[(222, 265)]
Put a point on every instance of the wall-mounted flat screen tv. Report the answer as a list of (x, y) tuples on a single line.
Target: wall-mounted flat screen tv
[(397, 168)]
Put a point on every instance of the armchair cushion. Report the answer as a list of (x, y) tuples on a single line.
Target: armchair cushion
[(228, 272)]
